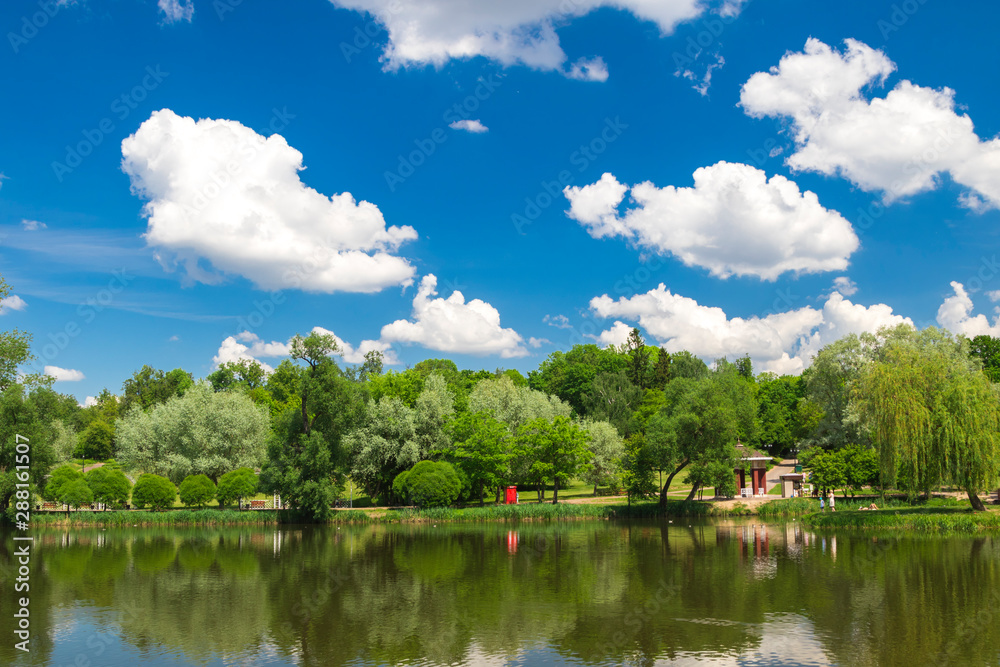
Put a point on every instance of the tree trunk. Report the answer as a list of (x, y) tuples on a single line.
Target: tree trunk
[(670, 478), (555, 491), (694, 490), (977, 503), (595, 489)]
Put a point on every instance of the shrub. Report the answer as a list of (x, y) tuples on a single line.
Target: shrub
[(197, 490), (59, 480), (236, 485), (110, 486), (429, 484), (76, 494), (154, 492)]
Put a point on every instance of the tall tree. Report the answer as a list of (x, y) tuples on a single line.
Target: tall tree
[(987, 350), (384, 446), (148, 387), (932, 413), (638, 359), (607, 449), (612, 397), (559, 449), (482, 450), (247, 373)]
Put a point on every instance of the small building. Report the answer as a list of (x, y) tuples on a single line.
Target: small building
[(792, 483), (753, 464)]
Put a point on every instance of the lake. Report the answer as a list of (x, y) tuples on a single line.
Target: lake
[(567, 593)]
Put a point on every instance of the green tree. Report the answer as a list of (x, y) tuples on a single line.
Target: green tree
[(569, 375), (435, 408), (245, 373), (154, 491), (638, 359), (383, 447), (15, 352), (197, 490), (662, 372), (110, 486), (97, 441), (828, 471), (482, 449), (236, 485), (148, 387), (683, 364), (202, 432), (559, 449), (514, 405), (429, 484), (76, 494), (779, 399), (607, 449), (613, 398), (932, 413), (61, 479), (24, 440), (987, 350), (860, 467), (637, 467)]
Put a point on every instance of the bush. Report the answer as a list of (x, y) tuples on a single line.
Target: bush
[(154, 492), (197, 490), (429, 484), (76, 494), (236, 485), (110, 486), (61, 478)]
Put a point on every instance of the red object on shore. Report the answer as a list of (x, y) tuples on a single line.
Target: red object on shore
[(511, 497)]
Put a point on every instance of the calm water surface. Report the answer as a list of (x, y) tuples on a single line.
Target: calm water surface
[(574, 593)]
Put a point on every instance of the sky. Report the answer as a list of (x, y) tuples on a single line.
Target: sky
[(189, 182)]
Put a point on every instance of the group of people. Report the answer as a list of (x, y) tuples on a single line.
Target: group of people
[(831, 500)]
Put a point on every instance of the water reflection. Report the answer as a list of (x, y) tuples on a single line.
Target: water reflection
[(593, 593)]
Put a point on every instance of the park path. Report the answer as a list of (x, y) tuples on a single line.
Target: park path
[(774, 474)]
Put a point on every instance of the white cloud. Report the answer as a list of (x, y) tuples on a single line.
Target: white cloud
[(955, 314), (514, 32), (64, 374), (90, 401), (588, 69), (780, 342), (474, 126), (538, 342), (993, 295), (898, 144), (12, 302), (452, 325), (174, 339), (220, 192), (248, 345), (176, 10), (557, 321), (734, 221), (32, 225), (845, 286), (617, 335), (702, 82)]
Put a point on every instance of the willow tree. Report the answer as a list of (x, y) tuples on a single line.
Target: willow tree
[(932, 413)]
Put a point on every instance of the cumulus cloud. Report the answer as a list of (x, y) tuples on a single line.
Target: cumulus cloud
[(12, 302), (899, 144), (538, 342), (955, 314), (222, 193), (779, 342), (515, 32), (557, 321), (452, 325), (356, 355), (176, 10), (64, 374), (845, 286), (90, 401), (474, 126), (734, 221), (249, 346), (32, 225)]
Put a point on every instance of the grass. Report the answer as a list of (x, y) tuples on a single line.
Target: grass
[(938, 515)]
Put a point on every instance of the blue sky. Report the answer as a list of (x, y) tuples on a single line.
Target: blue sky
[(186, 183)]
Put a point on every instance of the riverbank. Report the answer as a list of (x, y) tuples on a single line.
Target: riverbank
[(927, 519)]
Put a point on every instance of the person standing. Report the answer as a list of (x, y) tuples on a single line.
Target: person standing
[(833, 502), (821, 508)]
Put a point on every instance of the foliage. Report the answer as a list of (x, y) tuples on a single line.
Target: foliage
[(20, 424), (932, 413), (435, 408), (558, 450), (97, 441), (383, 447), (61, 478), (683, 364), (482, 450), (779, 399), (149, 387), (513, 405), (613, 398), (302, 472), (242, 373), (201, 432), (637, 468), (236, 485), (15, 352), (76, 494), (197, 490), (154, 491), (110, 486), (607, 449), (569, 375), (429, 484), (987, 350), (638, 359)]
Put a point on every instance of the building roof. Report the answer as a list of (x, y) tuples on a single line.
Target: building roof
[(748, 454)]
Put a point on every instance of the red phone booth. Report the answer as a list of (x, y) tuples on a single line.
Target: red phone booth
[(511, 497)]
